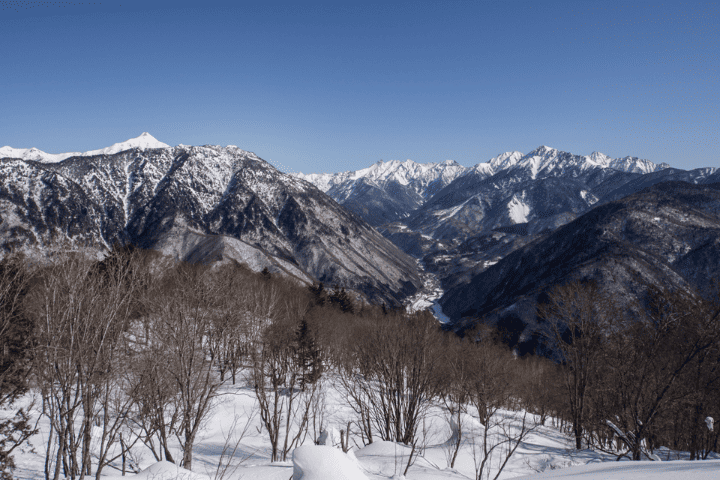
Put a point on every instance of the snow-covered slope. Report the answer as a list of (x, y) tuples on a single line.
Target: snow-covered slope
[(144, 141), (675, 470), (545, 453)]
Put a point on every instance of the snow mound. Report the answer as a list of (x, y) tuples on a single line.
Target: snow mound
[(320, 462), (382, 448), (163, 471)]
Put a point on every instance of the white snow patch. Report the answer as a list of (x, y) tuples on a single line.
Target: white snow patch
[(518, 210)]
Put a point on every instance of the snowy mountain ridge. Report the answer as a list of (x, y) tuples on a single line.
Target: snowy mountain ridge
[(542, 159), (144, 141), (420, 176), (392, 191)]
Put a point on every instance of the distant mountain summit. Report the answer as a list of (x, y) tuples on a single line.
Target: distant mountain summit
[(144, 141)]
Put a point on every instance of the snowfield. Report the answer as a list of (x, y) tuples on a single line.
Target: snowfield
[(545, 454), (675, 470)]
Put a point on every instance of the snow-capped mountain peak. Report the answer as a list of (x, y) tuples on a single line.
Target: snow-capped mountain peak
[(144, 141), (542, 151), (504, 160), (600, 158)]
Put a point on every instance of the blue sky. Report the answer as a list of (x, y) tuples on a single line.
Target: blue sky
[(334, 86)]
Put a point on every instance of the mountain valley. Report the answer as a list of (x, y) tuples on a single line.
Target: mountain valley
[(395, 232)]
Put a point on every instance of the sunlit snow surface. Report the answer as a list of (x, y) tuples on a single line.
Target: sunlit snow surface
[(163, 471)]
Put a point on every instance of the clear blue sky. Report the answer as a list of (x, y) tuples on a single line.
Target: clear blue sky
[(334, 86)]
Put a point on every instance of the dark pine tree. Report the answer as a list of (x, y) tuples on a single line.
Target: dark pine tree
[(341, 300), (308, 356), (319, 294)]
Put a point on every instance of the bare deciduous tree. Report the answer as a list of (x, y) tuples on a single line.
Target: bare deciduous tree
[(579, 315), (491, 393), (649, 357), (184, 310), (82, 313), (285, 400), (16, 342)]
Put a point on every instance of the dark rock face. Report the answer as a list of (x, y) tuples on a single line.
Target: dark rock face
[(178, 199), (664, 235)]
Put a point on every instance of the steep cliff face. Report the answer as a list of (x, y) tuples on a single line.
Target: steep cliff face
[(200, 203)]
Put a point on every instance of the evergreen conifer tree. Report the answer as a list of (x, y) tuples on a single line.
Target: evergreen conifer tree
[(341, 300), (319, 294), (308, 355)]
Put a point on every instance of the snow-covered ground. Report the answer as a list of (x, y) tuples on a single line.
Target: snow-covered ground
[(675, 470), (545, 450)]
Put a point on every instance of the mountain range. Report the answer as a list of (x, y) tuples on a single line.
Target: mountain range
[(390, 191), (204, 203), (499, 234), (479, 240), (144, 141)]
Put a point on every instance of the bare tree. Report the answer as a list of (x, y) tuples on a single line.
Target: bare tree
[(184, 310), (491, 393), (648, 360), (16, 342), (456, 377), (391, 370), (82, 312), (285, 400), (156, 415), (229, 335), (578, 315)]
